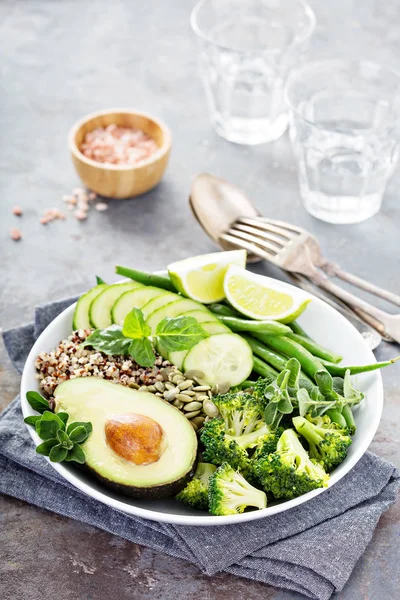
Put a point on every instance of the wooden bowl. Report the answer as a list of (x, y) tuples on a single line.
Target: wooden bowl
[(121, 181)]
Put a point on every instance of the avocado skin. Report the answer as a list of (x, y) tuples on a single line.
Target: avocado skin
[(165, 490)]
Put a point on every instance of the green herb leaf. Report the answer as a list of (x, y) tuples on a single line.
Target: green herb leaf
[(180, 333), (270, 413), (76, 455), (37, 401), (48, 425), (109, 341), (78, 434), (135, 326), (45, 447), (86, 424), (63, 416), (32, 420), (58, 453), (142, 352), (64, 440), (99, 280)]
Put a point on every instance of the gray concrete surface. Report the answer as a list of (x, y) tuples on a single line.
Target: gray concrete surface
[(61, 60)]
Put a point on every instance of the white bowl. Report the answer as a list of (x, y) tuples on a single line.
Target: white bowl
[(320, 321)]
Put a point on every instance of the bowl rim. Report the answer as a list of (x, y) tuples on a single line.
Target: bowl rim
[(161, 152), (203, 520)]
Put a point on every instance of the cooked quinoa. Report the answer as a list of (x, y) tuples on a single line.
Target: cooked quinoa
[(70, 360)]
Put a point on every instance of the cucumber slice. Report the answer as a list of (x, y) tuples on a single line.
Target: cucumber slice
[(81, 314), (133, 299), (158, 302), (174, 309), (202, 316), (225, 358), (177, 358), (100, 308)]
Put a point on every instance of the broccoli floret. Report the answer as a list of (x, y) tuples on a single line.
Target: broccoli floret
[(195, 494), (230, 493), (242, 412), (289, 472), (220, 448), (327, 443), (267, 444)]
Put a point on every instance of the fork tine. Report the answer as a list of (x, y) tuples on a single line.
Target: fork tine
[(248, 237), (286, 226), (269, 237), (266, 225), (253, 248)]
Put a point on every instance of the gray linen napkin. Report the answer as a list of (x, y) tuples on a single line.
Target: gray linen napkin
[(311, 549)]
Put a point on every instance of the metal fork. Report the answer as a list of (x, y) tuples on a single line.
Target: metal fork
[(295, 250)]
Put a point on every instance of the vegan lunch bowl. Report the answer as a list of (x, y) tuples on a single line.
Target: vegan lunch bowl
[(207, 395)]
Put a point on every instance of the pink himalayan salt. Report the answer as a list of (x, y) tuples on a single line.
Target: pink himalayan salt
[(118, 145)]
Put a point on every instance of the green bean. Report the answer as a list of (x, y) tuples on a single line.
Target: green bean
[(270, 327), (309, 364), (314, 348), (223, 310), (247, 384), (347, 414), (160, 281), (340, 370), (261, 368), (296, 328)]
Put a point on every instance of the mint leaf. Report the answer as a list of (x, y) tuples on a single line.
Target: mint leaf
[(37, 401), (109, 341), (180, 333), (78, 434), (45, 447), (142, 352), (99, 280), (58, 453), (135, 326), (76, 455), (86, 424), (48, 425)]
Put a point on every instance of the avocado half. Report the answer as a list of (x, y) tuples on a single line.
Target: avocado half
[(140, 445)]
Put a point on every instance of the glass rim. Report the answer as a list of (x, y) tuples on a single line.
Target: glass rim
[(298, 73), (198, 31)]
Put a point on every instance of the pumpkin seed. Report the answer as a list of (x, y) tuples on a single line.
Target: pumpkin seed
[(166, 372), (170, 395), (200, 381), (201, 397), (134, 386), (192, 406), (159, 394), (143, 388), (190, 393), (178, 379), (201, 388), (193, 373), (198, 421), (160, 387), (193, 425), (178, 403), (190, 415), (151, 388), (169, 385), (210, 408), (223, 388), (184, 385), (184, 397)]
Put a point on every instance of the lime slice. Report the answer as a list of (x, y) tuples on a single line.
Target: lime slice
[(202, 277), (262, 298)]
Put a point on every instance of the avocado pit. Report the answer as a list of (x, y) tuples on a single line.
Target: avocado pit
[(136, 438)]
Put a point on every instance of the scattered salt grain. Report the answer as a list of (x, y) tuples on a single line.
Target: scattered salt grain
[(17, 211), (15, 234), (101, 206), (80, 215)]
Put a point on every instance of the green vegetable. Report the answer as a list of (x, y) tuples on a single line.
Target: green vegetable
[(37, 401), (230, 493), (296, 328), (218, 448), (292, 349), (134, 338), (327, 443), (261, 368), (315, 349), (241, 412), (224, 310), (99, 280), (279, 401), (60, 442), (195, 494), (356, 369), (289, 472), (269, 327), (145, 278)]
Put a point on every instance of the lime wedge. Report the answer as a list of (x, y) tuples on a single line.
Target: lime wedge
[(260, 298), (202, 277)]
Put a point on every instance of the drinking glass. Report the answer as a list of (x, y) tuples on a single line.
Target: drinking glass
[(246, 50), (344, 126)]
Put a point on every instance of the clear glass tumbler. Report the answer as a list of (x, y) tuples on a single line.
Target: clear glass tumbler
[(344, 126), (246, 50)]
